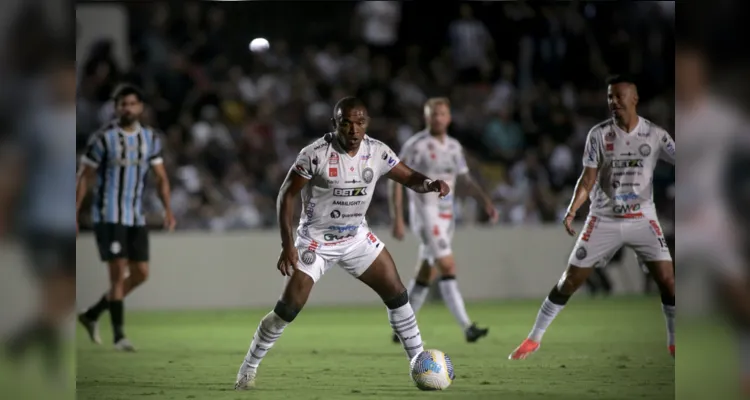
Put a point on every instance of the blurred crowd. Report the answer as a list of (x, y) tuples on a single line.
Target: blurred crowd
[(526, 84)]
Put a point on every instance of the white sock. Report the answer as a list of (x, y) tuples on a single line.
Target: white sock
[(269, 331), (417, 295), (544, 318), (669, 312), (455, 302), (404, 324)]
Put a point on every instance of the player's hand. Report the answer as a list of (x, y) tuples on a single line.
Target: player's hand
[(398, 230), (288, 260), (169, 221), (492, 212), (440, 187), (567, 223)]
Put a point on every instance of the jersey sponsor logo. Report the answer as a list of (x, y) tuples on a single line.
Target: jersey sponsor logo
[(645, 150), (333, 159), (632, 163), (348, 203), (320, 146), (367, 175), (589, 229), (628, 154), (344, 228), (336, 214), (352, 181), (628, 173), (617, 184), (333, 172), (384, 156), (350, 192), (627, 196), (610, 147), (310, 210), (391, 162), (626, 208), (365, 157), (592, 154), (644, 134), (330, 237)]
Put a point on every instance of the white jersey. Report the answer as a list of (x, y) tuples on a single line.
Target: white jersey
[(625, 163), (336, 199), (439, 160)]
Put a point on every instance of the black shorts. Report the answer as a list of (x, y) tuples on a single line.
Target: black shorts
[(51, 253), (119, 241)]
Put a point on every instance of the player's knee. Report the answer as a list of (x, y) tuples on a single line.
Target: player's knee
[(139, 275), (397, 301), (424, 275), (286, 312), (447, 267), (117, 272)]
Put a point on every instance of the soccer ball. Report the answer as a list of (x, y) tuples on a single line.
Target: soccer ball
[(432, 370)]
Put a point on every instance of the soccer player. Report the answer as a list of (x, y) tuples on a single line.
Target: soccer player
[(35, 199), (119, 157), (336, 176), (434, 153), (619, 159)]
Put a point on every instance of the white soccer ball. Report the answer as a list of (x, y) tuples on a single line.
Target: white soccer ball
[(432, 370), (259, 45)]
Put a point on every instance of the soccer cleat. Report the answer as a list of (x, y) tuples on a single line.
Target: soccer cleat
[(125, 345), (524, 350), (245, 379), (671, 350), (92, 328), (474, 333)]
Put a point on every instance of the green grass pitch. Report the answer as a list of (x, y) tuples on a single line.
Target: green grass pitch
[(596, 349)]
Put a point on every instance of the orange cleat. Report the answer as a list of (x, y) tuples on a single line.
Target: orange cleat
[(524, 350), (671, 350)]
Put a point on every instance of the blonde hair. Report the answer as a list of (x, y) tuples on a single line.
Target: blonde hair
[(434, 102)]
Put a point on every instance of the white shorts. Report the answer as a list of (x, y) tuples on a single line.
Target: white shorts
[(354, 256), (435, 237), (602, 237)]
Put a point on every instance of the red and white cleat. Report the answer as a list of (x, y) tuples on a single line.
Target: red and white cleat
[(524, 350), (671, 350)]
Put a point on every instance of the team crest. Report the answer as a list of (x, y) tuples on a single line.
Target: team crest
[(581, 253), (645, 150), (367, 175), (308, 257)]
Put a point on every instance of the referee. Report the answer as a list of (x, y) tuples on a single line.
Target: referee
[(118, 158)]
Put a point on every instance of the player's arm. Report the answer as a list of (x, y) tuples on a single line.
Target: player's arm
[(667, 147), (396, 201), (416, 181), (582, 190), (162, 183), (90, 163), (587, 180), (296, 179)]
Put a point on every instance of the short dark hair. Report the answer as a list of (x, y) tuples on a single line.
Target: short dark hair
[(125, 90), (621, 78), (347, 103)]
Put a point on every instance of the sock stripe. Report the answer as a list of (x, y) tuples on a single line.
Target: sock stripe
[(403, 322), (266, 335), (398, 321), (414, 347), (406, 328)]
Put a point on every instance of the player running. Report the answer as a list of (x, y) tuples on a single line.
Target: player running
[(336, 176), (434, 153), (119, 157), (619, 160)]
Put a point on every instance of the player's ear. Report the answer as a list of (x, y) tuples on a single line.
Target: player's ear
[(333, 123)]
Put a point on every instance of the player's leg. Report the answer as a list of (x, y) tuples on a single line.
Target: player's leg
[(454, 300), (110, 241), (369, 261), (139, 256), (650, 245), (293, 299), (419, 287), (53, 259), (598, 242)]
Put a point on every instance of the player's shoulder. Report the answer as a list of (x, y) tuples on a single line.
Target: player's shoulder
[(650, 127), (453, 143), (375, 144), (319, 145), (416, 138), (602, 126)]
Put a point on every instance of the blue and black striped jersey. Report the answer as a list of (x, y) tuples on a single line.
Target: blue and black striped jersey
[(122, 160)]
